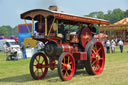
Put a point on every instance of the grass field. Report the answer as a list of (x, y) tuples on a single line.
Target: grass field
[(115, 72)]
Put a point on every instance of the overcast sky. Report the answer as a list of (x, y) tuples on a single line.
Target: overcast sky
[(10, 10)]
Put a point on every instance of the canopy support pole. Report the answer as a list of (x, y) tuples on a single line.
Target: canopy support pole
[(27, 27), (45, 26), (51, 26), (32, 27)]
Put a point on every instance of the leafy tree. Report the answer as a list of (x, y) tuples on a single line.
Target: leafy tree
[(126, 13), (112, 15)]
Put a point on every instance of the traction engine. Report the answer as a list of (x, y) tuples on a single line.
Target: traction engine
[(64, 50)]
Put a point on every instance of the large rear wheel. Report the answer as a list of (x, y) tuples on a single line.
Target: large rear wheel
[(95, 58), (66, 66), (38, 66)]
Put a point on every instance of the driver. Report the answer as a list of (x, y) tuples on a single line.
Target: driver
[(93, 30)]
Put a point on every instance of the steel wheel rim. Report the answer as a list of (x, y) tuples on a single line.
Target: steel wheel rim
[(40, 66), (97, 58), (67, 67)]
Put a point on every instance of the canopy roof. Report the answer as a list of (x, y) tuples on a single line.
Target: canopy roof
[(122, 22), (32, 14)]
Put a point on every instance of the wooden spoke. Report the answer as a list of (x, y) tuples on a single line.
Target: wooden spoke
[(68, 59), (42, 61), (94, 51), (93, 55), (42, 70), (64, 59), (62, 63), (70, 62), (98, 67), (93, 62), (101, 58), (98, 50), (65, 73), (34, 65), (37, 60), (38, 72)]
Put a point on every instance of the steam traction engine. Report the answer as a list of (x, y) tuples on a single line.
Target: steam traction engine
[(68, 40)]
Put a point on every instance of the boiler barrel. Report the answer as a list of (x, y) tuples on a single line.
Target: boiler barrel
[(52, 50)]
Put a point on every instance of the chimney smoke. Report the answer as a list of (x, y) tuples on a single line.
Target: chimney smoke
[(53, 8)]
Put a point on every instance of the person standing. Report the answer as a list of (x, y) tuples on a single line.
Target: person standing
[(93, 30), (120, 43), (113, 44), (23, 48), (108, 46)]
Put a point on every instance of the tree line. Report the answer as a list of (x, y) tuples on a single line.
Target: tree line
[(111, 15), (7, 31)]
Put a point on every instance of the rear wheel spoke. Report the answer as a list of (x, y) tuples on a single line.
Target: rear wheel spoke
[(98, 50), (93, 62), (94, 51)]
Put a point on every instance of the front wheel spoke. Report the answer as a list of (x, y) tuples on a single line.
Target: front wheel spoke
[(65, 73), (68, 59), (37, 72), (62, 70), (37, 60), (70, 70), (70, 62), (43, 61), (34, 65)]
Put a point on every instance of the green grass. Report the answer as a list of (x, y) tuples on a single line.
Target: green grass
[(115, 73)]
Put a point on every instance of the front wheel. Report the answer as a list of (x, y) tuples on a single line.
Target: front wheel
[(66, 66), (38, 66)]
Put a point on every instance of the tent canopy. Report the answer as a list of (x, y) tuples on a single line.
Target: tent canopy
[(101, 35), (123, 21)]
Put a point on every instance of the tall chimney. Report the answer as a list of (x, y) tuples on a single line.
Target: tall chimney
[(53, 8)]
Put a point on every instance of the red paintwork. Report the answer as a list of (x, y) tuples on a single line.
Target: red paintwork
[(67, 60), (98, 58), (80, 19), (69, 48), (80, 56)]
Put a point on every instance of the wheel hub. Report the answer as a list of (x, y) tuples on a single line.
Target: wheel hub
[(98, 57), (39, 66), (68, 66)]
